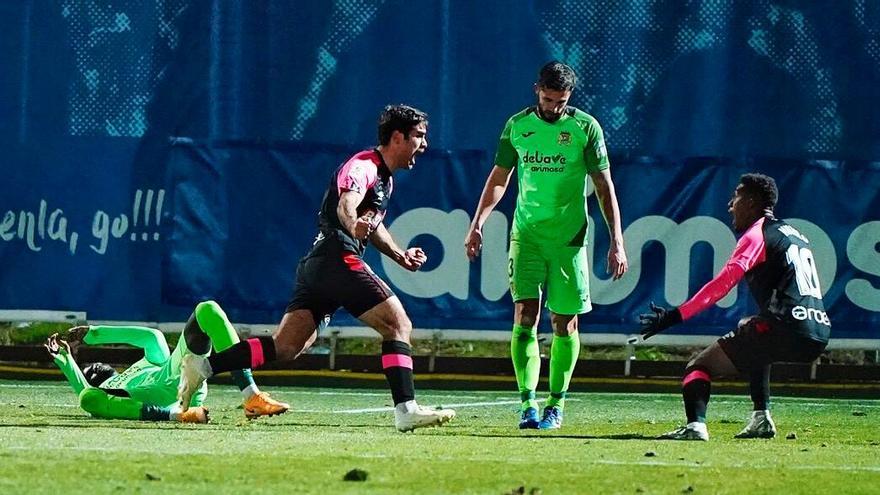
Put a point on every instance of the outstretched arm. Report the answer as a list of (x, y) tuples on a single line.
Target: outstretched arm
[(149, 339), (60, 352), (750, 251)]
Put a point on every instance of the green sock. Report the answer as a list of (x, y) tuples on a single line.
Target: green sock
[(526, 357), (563, 357)]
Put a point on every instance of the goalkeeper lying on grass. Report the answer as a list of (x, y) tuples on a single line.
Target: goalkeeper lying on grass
[(147, 390)]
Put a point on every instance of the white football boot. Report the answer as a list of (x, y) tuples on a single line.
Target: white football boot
[(408, 416), (760, 425), (693, 431)]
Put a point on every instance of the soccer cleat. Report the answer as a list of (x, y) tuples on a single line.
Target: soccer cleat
[(693, 431), (552, 418), (260, 404), (194, 370), (529, 419), (197, 414), (760, 425), (416, 416)]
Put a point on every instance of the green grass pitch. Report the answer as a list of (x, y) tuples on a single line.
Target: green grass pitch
[(48, 445)]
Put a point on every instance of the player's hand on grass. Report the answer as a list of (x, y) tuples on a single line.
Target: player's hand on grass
[(473, 243), (413, 259), (56, 346), (616, 263), (657, 320)]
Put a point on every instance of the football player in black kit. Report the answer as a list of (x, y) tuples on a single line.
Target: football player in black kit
[(791, 324), (334, 274)]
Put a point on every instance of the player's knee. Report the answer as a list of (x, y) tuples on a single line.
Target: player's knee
[(91, 399), (294, 337), (564, 325), (524, 334), (285, 348), (402, 328), (396, 326), (207, 308)]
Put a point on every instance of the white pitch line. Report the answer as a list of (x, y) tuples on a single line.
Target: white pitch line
[(388, 409), (460, 405)]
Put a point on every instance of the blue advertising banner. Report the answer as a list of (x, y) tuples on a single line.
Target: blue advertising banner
[(229, 221), (160, 152), (242, 217)]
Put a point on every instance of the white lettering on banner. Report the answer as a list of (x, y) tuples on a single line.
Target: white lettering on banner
[(35, 227), (862, 250), (493, 259), (678, 239), (450, 277)]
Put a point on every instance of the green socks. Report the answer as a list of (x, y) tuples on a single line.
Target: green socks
[(526, 357), (563, 358)]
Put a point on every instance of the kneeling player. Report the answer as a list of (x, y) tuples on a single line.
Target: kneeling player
[(791, 326), (147, 390)]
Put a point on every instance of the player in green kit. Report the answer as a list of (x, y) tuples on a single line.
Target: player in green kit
[(147, 390), (553, 147)]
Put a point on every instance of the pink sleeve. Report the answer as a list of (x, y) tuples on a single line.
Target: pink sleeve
[(357, 176), (749, 251)]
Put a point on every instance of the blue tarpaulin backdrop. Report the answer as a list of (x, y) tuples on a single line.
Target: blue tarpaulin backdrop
[(160, 152)]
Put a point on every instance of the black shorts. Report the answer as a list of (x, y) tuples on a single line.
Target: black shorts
[(760, 340), (330, 277)]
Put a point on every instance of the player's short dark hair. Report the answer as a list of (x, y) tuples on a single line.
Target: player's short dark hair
[(401, 118), (98, 373), (761, 187), (557, 76)]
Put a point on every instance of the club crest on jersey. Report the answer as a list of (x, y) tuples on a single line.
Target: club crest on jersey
[(564, 138)]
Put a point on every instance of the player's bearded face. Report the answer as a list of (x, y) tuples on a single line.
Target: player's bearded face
[(551, 103)]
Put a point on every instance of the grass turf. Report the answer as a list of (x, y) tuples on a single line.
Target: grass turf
[(48, 445)]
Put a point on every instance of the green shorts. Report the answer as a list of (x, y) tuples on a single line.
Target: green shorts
[(562, 272)]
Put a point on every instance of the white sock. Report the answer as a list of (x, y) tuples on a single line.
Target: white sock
[(409, 406), (761, 413), (250, 391), (206, 370), (175, 412)]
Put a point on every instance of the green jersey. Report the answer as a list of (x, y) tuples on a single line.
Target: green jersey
[(151, 380), (552, 160)]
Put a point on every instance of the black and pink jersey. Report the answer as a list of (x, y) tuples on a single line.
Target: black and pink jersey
[(778, 266), (366, 173)]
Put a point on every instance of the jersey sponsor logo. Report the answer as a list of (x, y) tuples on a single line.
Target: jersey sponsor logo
[(564, 138), (541, 168), (802, 313), (527, 134), (538, 157)]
